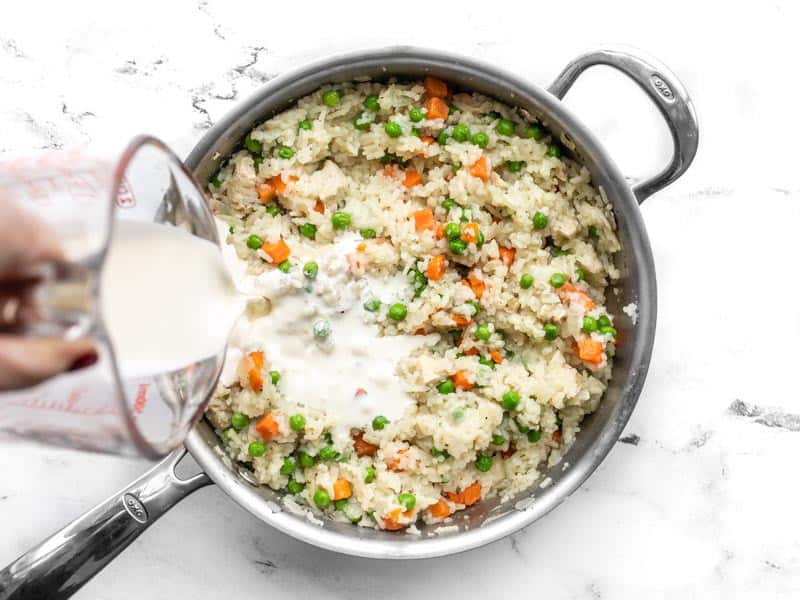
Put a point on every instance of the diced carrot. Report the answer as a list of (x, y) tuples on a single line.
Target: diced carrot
[(440, 231), (469, 233), (341, 489), (397, 461), (427, 139), (363, 448), (440, 510), (496, 356), (423, 219), (556, 437), (278, 251), (477, 285), (468, 496), (435, 87), (266, 192), (569, 292), (280, 184), (590, 350), (390, 171), (461, 380), (508, 453), (420, 331), (480, 168), (460, 321), (320, 207), (436, 267), (255, 362), (507, 255), (471, 351), (391, 521), (268, 427), (412, 178), (437, 108)]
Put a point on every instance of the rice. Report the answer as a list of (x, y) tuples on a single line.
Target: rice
[(507, 371)]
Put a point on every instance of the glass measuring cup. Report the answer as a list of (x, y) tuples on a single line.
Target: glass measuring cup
[(79, 195)]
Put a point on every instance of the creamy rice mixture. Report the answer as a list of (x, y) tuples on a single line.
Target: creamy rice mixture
[(430, 328)]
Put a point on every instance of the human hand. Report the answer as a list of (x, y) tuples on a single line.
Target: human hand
[(26, 241)]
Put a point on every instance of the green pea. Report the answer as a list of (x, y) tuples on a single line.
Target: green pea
[(254, 146), (310, 270), (455, 166), (372, 305), (442, 137), (289, 466), (321, 497), (534, 435), (273, 210), (446, 387), (452, 231), (256, 449), (309, 230), (589, 324), (535, 132), (368, 234), (340, 219), (498, 440), (379, 422), (484, 463), (330, 98), (328, 453), (480, 139), (254, 242), (477, 306), (285, 152), (551, 331), (407, 501), (398, 311), (451, 109), (392, 129), (369, 475), (579, 274), (449, 204), (285, 266), (515, 166), (306, 460), (526, 281), (482, 332), (295, 487), (274, 377), (603, 321), (608, 330), (461, 133), (466, 215), (340, 504), (560, 252), (371, 103), (554, 151), (436, 453), (539, 220), (304, 124), (481, 239), (510, 400), (322, 329), (363, 120), (239, 421), (215, 181), (257, 160), (505, 127), (297, 422), (458, 246), (415, 132), (593, 233), (415, 115), (520, 427), (230, 229), (557, 280), (486, 361)]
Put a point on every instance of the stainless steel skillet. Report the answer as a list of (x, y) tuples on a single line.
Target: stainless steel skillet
[(61, 564)]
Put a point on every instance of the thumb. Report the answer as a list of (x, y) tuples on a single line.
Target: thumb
[(28, 361)]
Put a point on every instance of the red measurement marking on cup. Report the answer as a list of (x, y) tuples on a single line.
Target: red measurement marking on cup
[(74, 404), (140, 402), (125, 195)]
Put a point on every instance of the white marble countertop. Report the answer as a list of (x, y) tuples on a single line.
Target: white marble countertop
[(699, 499)]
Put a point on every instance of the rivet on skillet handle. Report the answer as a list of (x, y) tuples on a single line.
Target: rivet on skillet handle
[(666, 92), (61, 564)]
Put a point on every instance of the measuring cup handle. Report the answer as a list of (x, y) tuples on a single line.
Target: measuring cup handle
[(61, 564)]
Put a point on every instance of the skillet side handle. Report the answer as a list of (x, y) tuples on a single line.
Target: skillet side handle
[(61, 564), (667, 93)]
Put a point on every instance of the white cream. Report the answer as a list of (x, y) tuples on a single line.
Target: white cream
[(167, 299), (326, 374)]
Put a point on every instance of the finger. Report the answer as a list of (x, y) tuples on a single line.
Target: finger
[(28, 361), (27, 240)]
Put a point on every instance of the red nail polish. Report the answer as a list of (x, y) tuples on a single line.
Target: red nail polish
[(85, 360)]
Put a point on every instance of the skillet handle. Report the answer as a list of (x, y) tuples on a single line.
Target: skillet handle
[(61, 564), (667, 93)]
